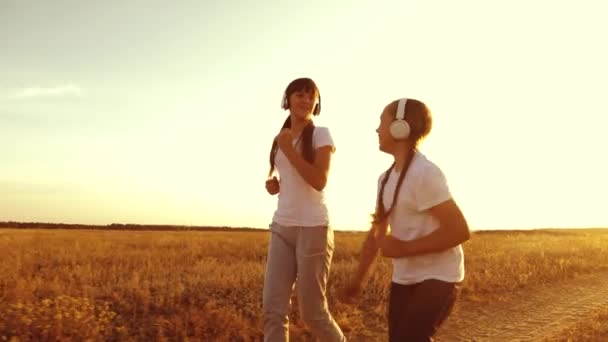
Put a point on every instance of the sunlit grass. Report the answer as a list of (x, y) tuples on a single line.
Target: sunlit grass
[(207, 285)]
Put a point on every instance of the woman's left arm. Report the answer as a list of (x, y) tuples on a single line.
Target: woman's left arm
[(314, 174), (453, 230)]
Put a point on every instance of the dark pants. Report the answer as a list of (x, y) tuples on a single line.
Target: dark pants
[(416, 311)]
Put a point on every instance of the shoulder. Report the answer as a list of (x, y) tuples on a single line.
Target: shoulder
[(430, 184), (321, 131), (322, 137), (425, 167)]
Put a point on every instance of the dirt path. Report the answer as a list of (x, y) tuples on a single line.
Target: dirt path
[(539, 314)]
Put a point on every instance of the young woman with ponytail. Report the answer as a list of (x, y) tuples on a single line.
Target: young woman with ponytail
[(301, 241), (426, 229)]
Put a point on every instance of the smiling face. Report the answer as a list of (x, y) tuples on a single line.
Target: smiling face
[(302, 103), (303, 98)]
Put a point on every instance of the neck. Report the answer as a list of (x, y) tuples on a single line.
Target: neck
[(401, 155), (297, 124)]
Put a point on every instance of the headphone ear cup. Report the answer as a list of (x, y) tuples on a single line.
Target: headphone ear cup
[(400, 129), (284, 102)]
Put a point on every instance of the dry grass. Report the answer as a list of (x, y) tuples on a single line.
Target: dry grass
[(167, 285), (593, 328)]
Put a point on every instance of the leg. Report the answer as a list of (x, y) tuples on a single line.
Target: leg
[(428, 304), (279, 278), (314, 254), (399, 299)]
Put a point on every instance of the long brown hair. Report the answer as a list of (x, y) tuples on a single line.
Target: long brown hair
[(381, 213), (305, 84)]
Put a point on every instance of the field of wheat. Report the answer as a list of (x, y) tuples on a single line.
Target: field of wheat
[(198, 285)]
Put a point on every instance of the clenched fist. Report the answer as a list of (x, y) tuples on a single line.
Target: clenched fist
[(272, 186), (285, 139)]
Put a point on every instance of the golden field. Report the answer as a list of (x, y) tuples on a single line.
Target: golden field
[(207, 285)]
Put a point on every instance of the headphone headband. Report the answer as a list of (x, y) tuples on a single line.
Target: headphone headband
[(401, 109)]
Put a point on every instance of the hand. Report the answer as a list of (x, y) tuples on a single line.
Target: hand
[(348, 293), (381, 227), (285, 139), (391, 247), (272, 186)]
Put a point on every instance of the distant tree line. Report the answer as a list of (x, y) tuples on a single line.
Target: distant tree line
[(119, 226)]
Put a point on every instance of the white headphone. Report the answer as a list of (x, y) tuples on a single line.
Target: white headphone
[(399, 128)]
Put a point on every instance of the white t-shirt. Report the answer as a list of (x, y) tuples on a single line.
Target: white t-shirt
[(424, 187), (299, 203)]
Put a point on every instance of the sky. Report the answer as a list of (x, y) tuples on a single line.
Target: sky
[(157, 112)]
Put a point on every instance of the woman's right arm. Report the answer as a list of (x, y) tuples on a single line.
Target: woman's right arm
[(366, 256), (370, 247), (368, 253)]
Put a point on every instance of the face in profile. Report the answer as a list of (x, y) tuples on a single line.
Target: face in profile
[(385, 141), (302, 103)]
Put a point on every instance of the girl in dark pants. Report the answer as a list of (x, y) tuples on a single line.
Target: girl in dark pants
[(426, 229)]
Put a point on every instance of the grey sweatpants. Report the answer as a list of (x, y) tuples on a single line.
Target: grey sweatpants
[(301, 254)]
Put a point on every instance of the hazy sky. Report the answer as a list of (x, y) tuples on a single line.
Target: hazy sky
[(158, 112)]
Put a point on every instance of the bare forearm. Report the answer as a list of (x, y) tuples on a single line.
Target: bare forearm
[(314, 176), (369, 251), (453, 230), (438, 241)]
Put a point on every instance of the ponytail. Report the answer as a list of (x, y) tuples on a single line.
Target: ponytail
[(381, 213)]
